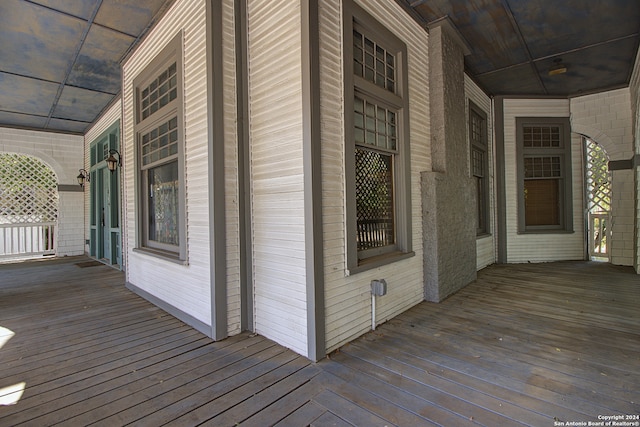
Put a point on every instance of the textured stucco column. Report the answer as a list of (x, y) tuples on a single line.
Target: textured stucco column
[(448, 196)]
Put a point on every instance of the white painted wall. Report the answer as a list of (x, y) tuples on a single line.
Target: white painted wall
[(185, 287), (277, 176), (64, 154), (485, 245), (548, 246), (606, 118), (348, 298)]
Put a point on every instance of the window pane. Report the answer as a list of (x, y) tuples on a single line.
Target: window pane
[(163, 203), (374, 199), (481, 212), (542, 202), (372, 62), (541, 136), (376, 126), (542, 167), (157, 138), (150, 97)]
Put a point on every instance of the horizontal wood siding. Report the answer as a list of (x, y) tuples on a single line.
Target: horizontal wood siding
[(540, 247), (276, 170), (486, 245), (348, 298), (186, 287)]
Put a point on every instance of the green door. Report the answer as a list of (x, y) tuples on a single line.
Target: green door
[(104, 202)]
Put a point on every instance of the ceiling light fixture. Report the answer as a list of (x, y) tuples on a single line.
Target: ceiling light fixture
[(557, 68)]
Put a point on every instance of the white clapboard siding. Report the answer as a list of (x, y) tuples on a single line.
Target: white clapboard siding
[(276, 170), (108, 118), (348, 298), (186, 287), (540, 247), (486, 245)]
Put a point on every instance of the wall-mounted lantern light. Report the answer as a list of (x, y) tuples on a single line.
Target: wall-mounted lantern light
[(112, 162), (83, 177)]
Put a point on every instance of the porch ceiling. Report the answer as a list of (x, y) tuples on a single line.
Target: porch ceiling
[(60, 59)]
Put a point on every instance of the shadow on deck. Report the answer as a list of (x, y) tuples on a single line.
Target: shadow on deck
[(530, 344)]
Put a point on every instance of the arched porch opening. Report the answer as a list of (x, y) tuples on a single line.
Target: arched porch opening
[(28, 207)]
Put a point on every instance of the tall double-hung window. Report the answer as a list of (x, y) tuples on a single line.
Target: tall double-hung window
[(376, 110), (544, 173), (159, 146), (480, 165)]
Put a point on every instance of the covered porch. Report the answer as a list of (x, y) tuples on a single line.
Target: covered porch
[(525, 344)]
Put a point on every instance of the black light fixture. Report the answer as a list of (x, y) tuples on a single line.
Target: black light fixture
[(82, 177), (557, 68), (112, 162)]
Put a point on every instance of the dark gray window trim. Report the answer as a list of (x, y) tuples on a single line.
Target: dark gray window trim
[(311, 146), (567, 178), (244, 179), (500, 180), (473, 107), (173, 51), (217, 217), (382, 35)]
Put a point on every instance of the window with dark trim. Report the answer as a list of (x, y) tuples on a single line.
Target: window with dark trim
[(544, 174), (159, 146), (480, 166), (376, 109)]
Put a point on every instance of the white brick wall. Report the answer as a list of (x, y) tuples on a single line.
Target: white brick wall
[(606, 118), (65, 155), (70, 234)]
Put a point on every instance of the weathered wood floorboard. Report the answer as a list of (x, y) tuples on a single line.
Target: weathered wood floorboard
[(526, 344)]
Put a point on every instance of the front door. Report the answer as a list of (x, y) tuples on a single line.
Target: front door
[(105, 215), (105, 202)]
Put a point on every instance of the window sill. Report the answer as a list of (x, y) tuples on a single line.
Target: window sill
[(379, 261), (164, 255), (483, 236), (548, 231)]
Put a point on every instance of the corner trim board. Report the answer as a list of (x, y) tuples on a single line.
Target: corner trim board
[(217, 223), (316, 340)]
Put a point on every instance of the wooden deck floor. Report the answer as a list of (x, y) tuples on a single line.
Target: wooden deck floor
[(533, 344)]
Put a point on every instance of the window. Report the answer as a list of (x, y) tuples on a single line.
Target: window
[(480, 165), (376, 105), (544, 174), (159, 154)]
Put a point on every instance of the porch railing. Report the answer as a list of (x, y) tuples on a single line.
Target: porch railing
[(27, 239), (599, 230)]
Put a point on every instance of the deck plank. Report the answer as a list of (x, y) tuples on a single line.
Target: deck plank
[(524, 344)]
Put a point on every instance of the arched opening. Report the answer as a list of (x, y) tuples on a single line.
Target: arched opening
[(28, 207), (598, 196)]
